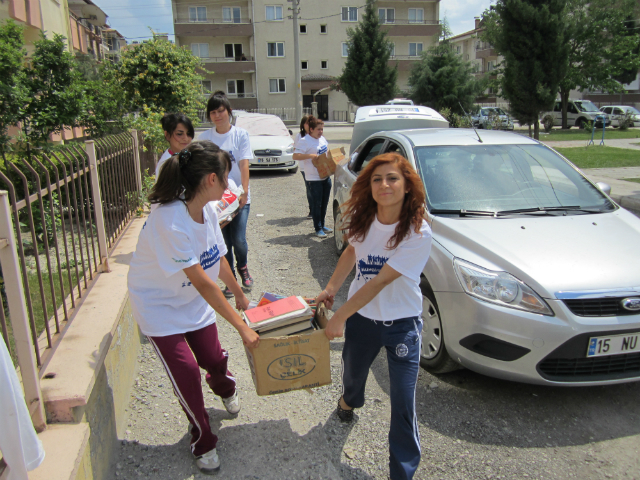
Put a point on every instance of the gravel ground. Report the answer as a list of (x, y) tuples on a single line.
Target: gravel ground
[(471, 426)]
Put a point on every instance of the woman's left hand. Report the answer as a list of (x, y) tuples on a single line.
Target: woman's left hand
[(249, 337), (242, 303), (334, 328), (242, 200)]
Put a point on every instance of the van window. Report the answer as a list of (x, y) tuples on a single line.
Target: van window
[(607, 110), (618, 111), (372, 149), (558, 107)]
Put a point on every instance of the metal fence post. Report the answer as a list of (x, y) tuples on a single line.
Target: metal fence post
[(90, 148), (18, 313), (136, 159)]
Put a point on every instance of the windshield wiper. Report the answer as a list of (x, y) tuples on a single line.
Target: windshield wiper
[(463, 213), (573, 208)]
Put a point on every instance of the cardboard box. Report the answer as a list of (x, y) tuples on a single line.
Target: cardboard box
[(283, 364), (326, 163)]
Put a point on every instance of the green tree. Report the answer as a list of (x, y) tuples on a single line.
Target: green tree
[(367, 78), (55, 96), (530, 35), (442, 80), (13, 93), (600, 48)]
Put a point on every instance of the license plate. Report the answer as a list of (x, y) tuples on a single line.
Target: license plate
[(268, 159), (614, 345)]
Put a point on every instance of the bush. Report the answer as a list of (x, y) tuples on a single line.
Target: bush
[(455, 120), (547, 123), (626, 121)]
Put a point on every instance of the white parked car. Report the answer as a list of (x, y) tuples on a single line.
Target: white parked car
[(483, 119), (400, 101), (270, 139), (619, 112), (534, 272)]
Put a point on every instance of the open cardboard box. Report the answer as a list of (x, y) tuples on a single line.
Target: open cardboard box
[(326, 163), (283, 364)]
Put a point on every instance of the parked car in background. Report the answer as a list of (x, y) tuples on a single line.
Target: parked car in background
[(400, 101), (270, 139), (620, 112), (492, 117), (579, 112), (534, 272)]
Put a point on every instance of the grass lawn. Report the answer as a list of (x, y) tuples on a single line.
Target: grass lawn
[(636, 180), (597, 156), (559, 135)]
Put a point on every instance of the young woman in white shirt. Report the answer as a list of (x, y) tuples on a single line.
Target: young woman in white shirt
[(173, 292), (178, 132), (235, 141), (309, 148), (304, 130), (389, 244)]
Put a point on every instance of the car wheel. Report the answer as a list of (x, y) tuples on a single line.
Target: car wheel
[(294, 169), (582, 123), (433, 352), (338, 234)]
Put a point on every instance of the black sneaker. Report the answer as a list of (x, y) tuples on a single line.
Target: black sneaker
[(247, 280), (345, 416), (227, 292)]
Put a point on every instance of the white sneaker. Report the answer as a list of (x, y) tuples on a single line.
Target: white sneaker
[(232, 404), (209, 463)]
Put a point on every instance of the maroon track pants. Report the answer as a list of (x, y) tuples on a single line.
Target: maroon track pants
[(182, 355)]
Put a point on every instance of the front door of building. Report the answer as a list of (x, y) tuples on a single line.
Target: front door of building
[(323, 105)]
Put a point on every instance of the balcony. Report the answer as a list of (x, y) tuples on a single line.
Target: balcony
[(492, 74), (229, 65), (238, 27), (404, 61), (412, 28)]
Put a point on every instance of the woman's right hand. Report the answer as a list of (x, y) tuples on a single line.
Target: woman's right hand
[(249, 337)]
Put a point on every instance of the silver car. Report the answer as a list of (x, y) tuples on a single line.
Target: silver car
[(492, 117), (534, 273)]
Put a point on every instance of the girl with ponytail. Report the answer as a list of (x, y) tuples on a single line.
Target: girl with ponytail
[(173, 292)]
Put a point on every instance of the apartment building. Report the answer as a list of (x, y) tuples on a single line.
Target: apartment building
[(247, 46)]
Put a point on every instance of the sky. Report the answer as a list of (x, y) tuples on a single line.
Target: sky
[(132, 18)]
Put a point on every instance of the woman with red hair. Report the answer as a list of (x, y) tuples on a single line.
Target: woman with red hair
[(389, 244)]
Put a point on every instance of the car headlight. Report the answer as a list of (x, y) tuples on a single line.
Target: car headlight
[(500, 288), (289, 149)]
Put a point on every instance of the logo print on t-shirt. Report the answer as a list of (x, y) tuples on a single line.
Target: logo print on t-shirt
[(371, 267), (322, 149), (209, 258)]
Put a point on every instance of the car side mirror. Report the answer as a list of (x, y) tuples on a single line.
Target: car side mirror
[(604, 188), (290, 132)]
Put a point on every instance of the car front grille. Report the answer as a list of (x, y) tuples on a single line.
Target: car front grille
[(598, 307), (267, 153), (585, 369)]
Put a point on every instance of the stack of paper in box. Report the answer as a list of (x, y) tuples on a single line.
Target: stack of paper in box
[(287, 316)]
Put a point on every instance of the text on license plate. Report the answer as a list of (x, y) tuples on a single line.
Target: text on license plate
[(268, 159), (614, 344)]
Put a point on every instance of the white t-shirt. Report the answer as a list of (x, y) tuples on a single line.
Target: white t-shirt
[(236, 142), (311, 146), (163, 300), (402, 297)]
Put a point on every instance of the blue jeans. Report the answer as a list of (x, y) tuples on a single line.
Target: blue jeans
[(320, 192), (307, 188), (363, 340), (235, 238)]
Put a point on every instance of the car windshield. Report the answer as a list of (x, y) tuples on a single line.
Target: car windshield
[(586, 106), (262, 125), (487, 111), (497, 178), (631, 110)]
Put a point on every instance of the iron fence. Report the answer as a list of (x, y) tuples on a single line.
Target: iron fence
[(340, 116)]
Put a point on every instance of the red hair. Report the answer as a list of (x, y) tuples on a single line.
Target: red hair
[(361, 208)]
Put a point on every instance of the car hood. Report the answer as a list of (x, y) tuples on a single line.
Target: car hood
[(550, 253), (273, 142)]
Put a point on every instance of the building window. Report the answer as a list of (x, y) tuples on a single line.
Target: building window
[(231, 14), (392, 49), (324, 64), (303, 29), (415, 49), (235, 88), (345, 49), (274, 13), (275, 49), (416, 15), (458, 49), (233, 50), (277, 85), (387, 15), (304, 65), (200, 50), (206, 86), (197, 14), (349, 14), (323, 29)]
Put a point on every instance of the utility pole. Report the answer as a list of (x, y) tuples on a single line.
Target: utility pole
[(296, 57)]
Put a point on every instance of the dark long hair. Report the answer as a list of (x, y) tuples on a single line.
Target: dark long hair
[(304, 120), (217, 100), (181, 175), (361, 208), (170, 122)]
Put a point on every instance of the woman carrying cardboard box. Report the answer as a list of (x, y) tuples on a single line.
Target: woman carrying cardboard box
[(173, 292), (389, 244)]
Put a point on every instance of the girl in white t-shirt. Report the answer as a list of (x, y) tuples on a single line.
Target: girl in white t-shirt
[(173, 292), (304, 130), (389, 244), (307, 149)]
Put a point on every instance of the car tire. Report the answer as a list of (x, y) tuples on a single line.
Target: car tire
[(581, 123), (434, 357), (338, 234), (294, 169)]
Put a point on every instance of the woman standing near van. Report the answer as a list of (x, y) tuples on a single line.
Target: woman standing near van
[(309, 148), (304, 130), (173, 292), (389, 244), (235, 141)]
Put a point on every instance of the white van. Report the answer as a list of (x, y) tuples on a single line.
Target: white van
[(579, 112), (400, 101)]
